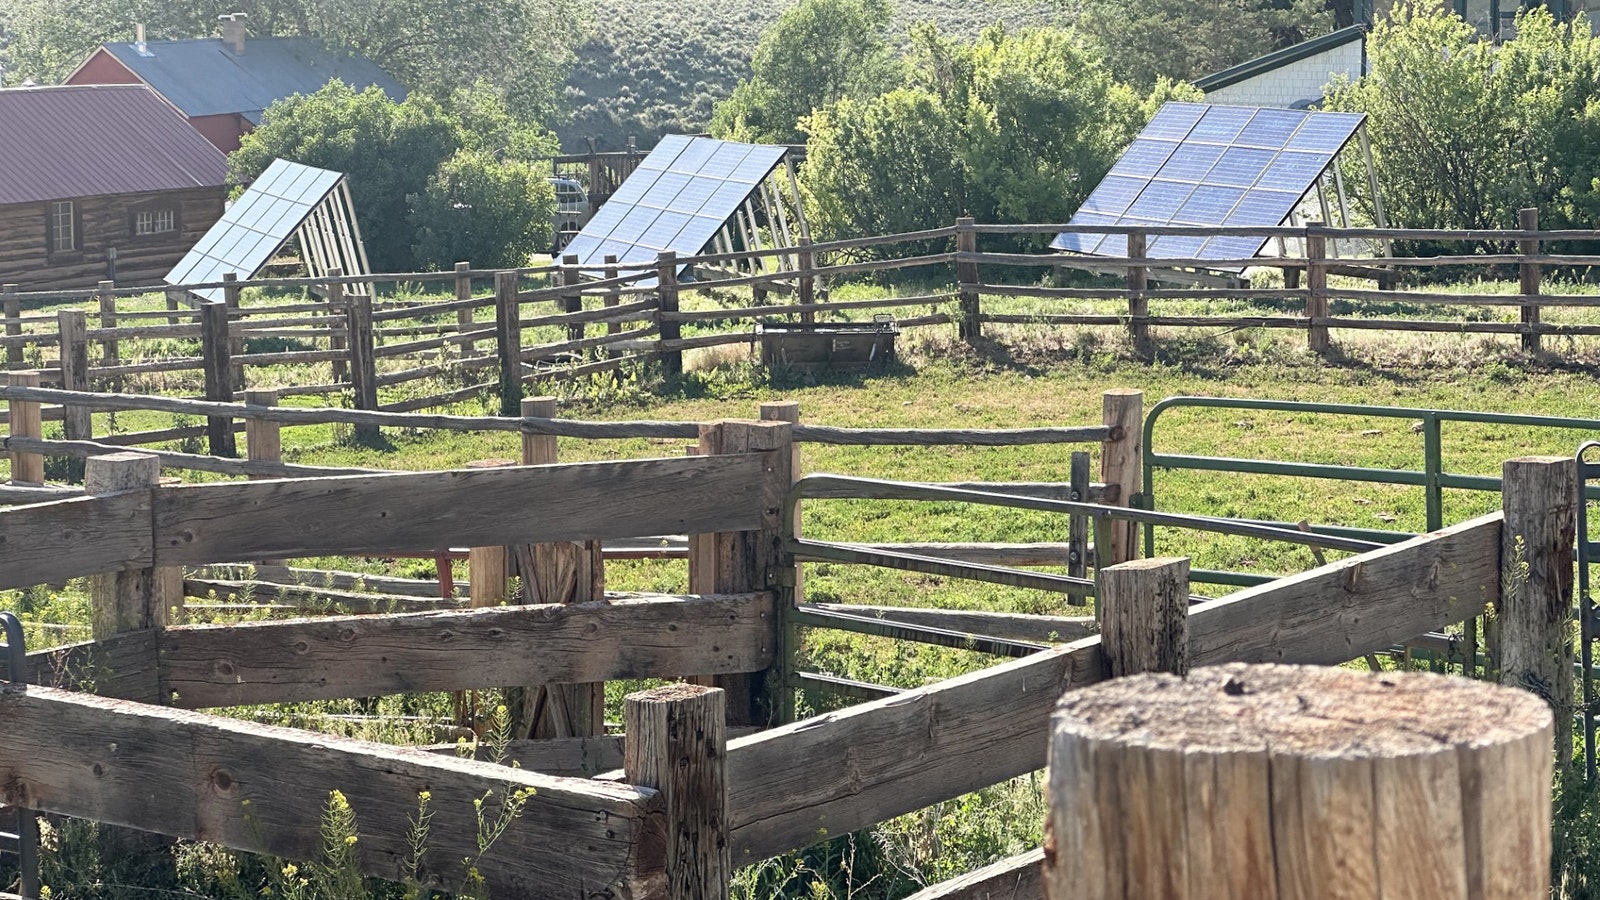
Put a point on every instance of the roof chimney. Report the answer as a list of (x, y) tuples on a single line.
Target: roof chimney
[(139, 45), (233, 32)]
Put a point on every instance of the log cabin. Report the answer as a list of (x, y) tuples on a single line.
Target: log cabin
[(100, 182)]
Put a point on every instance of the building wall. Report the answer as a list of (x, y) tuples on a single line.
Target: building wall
[(1295, 84), (224, 131), (103, 68), (103, 223)]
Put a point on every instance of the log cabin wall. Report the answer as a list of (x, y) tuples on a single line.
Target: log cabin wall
[(100, 224)]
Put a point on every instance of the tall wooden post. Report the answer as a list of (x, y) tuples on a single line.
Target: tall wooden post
[(671, 330), (677, 743), (1078, 525), (13, 313), (1316, 287), (1315, 783), (737, 562), (263, 437), (219, 376), (806, 290), (572, 299), (464, 321), (338, 317), (613, 297), (175, 302), (1138, 303), (1122, 465), (230, 298), (1528, 278), (25, 421), (77, 422), (110, 350), (363, 360), (564, 572), (971, 328), (508, 340), (132, 599), (1540, 497), (1144, 616), (790, 576)]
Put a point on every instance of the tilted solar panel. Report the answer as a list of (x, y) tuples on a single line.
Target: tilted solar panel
[(678, 199), (255, 226), (1199, 164)]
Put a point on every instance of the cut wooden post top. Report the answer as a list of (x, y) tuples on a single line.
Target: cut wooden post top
[(1301, 710)]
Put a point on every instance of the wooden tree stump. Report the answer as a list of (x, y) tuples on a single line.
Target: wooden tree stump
[(1266, 782)]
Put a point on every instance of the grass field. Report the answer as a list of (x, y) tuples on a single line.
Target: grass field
[(1031, 377)]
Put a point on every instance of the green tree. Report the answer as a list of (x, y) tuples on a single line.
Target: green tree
[(1465, 132), (819, 51), (1146, 40), (496, 213), (392, 152)]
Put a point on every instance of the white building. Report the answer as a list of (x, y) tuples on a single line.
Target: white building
[(1292, 77)]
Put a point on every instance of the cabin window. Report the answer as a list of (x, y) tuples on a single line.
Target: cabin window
[(155, 221), (63, 227)]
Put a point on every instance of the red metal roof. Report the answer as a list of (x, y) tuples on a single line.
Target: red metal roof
[(57, 143)]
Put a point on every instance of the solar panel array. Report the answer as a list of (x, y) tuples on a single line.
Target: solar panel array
[(678, 199), (1198, 164), (255, 226)]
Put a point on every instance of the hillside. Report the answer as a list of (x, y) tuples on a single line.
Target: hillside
[(661, 65)]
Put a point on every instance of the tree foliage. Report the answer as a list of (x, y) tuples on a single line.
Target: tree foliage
[(1014, 127), (520, 47), (1144, 41), (818, 52), (1465, 132), (416, 169)]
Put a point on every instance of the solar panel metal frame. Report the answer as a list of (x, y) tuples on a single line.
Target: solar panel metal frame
[(678, 198), (255, 226), (1271, 156)]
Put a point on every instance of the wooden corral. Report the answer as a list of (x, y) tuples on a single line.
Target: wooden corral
[(138, 752)]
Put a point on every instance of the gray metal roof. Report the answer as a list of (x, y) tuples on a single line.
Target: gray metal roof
[(204, 78), (58, 143)]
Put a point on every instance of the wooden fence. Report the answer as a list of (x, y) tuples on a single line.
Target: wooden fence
[(603, 318), (130, 754)]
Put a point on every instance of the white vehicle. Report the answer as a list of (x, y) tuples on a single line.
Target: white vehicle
[(572, 209)]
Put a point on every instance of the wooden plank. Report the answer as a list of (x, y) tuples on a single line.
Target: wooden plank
[(263, 789), (122, 666), (1011, 626), (413, 512), (361, 656), (577, 757), (832, 774), (1369, 602), (48, 543), (1014, 878)]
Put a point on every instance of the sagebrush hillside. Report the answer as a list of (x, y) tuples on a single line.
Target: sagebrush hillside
[(654, 67)]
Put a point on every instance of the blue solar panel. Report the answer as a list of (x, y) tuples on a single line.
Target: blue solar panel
[(678, 199), (1197, 164)]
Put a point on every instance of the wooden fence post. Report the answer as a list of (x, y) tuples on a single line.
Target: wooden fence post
[(613, 296), (676, 742), (106, 294), (1144, 616), (790, 580), (1121, 465), (508, 340), (13, 314), (971, 328), (77, 421), (219, 376), (174, 303), (565, 572), (262, 437), (1138, 303), (737, 562), (363, 360), (1528, 278), (572, 300), (1539, 496), (337, 318), (132, 599), (230, 299), (1252, 782), (1078, 525), (24, 419), (464, 320), (806, 289), (671, 329), (1316, 287)]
